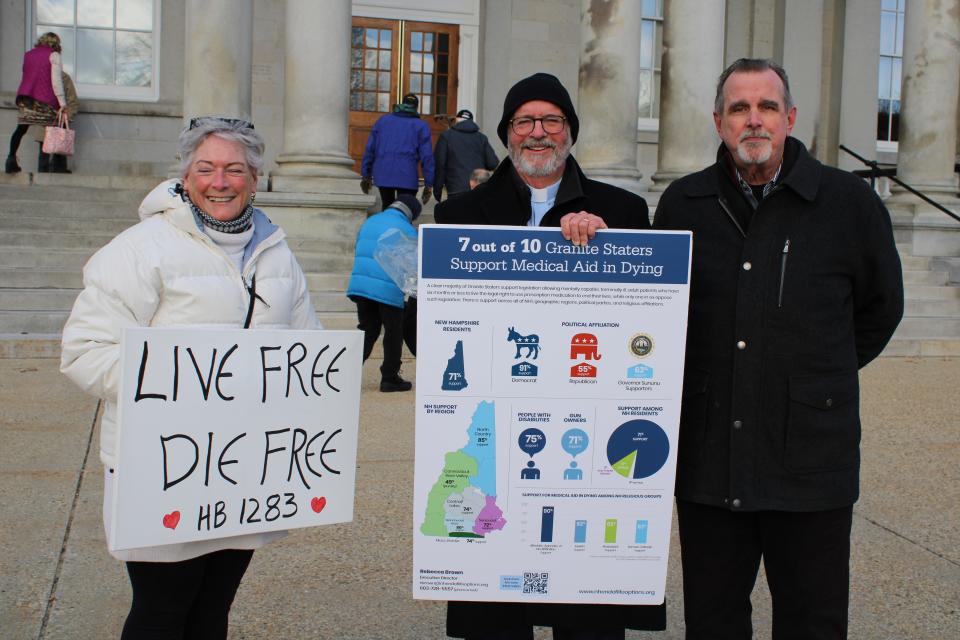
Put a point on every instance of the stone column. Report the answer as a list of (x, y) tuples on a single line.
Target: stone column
[(316, 98), (609, 86), (928, 111), (217, 69), (692, 61)]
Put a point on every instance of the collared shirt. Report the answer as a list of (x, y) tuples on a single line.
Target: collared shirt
[(541, 201), (748, 190)]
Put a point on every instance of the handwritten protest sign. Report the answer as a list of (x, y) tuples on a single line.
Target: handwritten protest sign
[(229, 432)]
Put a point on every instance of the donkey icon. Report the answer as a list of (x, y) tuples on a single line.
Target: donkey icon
[(531, 343)]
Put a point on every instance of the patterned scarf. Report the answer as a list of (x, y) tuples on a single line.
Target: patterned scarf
[(237, 225)]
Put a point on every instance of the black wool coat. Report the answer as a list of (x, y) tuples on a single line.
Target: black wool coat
[(783, 313), (460, 149), (505, 200)]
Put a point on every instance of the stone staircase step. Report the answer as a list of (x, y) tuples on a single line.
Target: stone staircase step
[(925, 277), (62, 240), (25, 257), (79, 209), (932, 308), (929, 327), (922, 348), (42, 277), (914, 263), (37, 299), (931, 292), (67, 224), (27, 322)]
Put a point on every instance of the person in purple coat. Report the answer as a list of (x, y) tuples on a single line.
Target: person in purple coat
[(397, 143), (40, 100)]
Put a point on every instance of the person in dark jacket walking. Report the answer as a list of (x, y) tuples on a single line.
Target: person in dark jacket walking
[(795, 285), (540, 184), (461, 149), (397, 143), (379, 300)]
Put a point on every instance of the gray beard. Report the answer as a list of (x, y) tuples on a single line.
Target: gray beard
[(556, 160)]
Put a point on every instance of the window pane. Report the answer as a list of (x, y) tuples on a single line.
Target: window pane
[(95, 13), (443, 42), (355, 102), (55, 11), (383, 102), (888, 33), (899, 48), (385, 36), (370, 59), (416, 62), (370, 81), (658, 47), (441, 85), (888, 5), (355, 77), (416, 41), (656, 95), (649, 9), (69, 54), (428, 42), (385, 60), (646, 94), (134, 59), (369, 102), (428, 63), (414, 83), (646, 44), (427, 86), (883, 121), (441, 64), (356, 37), (135, 14), (371, 42), (441, 104), (425, 106), (94, 56), (356, 58), (895, 78), (883, 88), (383, 82)]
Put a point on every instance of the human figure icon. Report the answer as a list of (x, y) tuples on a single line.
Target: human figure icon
[(530, 472), (573, 473)]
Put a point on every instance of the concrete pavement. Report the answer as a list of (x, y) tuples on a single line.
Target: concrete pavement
[(352, 581)]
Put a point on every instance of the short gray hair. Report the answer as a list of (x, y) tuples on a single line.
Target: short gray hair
[(238, 131), (752, 65)]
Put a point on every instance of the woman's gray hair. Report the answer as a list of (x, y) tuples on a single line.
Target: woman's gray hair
[(238, 131)]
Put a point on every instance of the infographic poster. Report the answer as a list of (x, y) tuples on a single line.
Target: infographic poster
[(548, 404)]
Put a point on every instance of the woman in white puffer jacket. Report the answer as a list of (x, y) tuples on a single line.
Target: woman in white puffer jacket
[(202, 256)]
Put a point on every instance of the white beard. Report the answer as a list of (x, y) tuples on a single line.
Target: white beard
[(543, 166)]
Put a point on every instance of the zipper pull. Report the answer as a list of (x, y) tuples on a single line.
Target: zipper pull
[(783, 272), (786, 247)]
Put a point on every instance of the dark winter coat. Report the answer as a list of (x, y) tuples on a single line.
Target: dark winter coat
[(397, 142), (460, 149), (781, 319), (505, 200)]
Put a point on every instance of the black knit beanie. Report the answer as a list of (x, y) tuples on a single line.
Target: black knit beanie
[(539, 86)]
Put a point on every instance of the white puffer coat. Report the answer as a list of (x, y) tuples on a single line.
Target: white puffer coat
[(165, 271)]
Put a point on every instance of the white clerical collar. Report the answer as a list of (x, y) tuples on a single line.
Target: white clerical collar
[(546, 194)]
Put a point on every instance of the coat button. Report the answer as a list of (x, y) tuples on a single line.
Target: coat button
[(736, 503), (741, 345), (737, 424), (747, 266), (829, 402)]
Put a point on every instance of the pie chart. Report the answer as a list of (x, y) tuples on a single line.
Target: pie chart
[(637, 449)]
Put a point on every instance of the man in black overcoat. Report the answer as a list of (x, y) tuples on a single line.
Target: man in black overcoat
[(540, 184), (795, 286)]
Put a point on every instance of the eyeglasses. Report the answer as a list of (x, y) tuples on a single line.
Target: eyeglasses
[(237, 123), (551, 124)]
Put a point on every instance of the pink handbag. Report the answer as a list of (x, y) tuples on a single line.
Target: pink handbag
[(59, 139)]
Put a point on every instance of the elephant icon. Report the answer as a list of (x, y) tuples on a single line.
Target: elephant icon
[(585, 345)]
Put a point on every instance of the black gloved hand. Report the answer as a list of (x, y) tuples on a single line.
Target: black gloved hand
[(365, 184)]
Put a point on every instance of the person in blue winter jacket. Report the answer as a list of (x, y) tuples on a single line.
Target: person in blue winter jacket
[(379, 300), (397, 143)]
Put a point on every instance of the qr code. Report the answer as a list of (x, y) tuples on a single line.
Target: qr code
[(535, 582)]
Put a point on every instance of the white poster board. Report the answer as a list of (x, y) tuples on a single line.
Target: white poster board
[(548, 402), (229, 432)]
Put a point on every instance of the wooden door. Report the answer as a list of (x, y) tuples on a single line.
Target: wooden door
[(390, 58)]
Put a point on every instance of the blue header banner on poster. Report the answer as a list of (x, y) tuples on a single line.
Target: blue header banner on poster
[(542, 254)]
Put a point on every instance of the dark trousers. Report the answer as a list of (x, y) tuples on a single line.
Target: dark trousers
[(389, 194), (410, 325), (806, 556), (15, 139), (371, 316), (184, 600)]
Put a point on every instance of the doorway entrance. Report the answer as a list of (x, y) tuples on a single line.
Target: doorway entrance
[(390, 58)]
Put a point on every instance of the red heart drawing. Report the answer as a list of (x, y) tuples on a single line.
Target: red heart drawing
[(317, 504), (171, 520)]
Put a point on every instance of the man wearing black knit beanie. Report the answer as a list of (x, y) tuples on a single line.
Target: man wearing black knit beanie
[(541, 184)]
